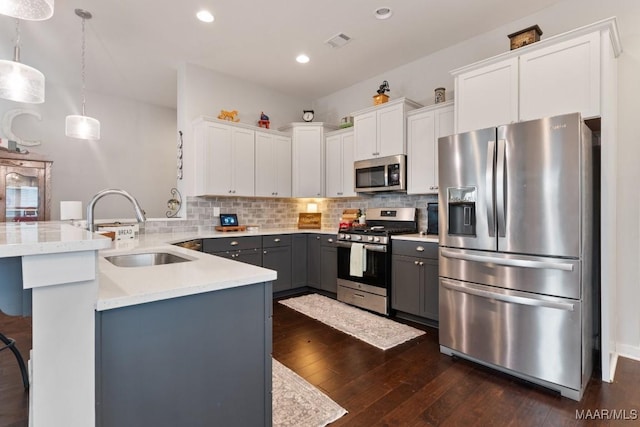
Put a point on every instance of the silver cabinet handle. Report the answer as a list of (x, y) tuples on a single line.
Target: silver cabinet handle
[(276, 240), (234, 243), (421, 263), (330, 240), (420, 249), (265, 252), (509, 262), (514, 299), (415, 262), (317, 237)]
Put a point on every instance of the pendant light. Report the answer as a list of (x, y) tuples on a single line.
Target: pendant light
[(82, 126), (19, 82), (32, 10)]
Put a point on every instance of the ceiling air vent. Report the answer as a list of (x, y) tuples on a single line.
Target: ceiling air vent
[(338, 40)]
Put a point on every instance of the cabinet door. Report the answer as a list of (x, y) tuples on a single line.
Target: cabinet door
[(266, 166), (299, 261), (282, 152), (365, 134), (405, 284), (487, 96), (249, 256), (444, 127), (279, 259), (334, 166), (329, 268), (421, 152), (213, 159), (243, 163), (560, 79), (390, 130), (313, 260), (308, 156), (23, 194), (429, 289), (348, 174)]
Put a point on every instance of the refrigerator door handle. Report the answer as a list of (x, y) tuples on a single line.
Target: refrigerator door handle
[(500, 188), (514, 299), (491, 209), (509, 262)]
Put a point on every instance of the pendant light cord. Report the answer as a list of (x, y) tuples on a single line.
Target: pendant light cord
[(83, 66), (16, 49)]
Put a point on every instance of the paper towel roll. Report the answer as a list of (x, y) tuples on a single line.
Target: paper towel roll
[(70, 210)]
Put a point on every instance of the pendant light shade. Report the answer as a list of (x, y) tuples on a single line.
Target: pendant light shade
[(19, 82), (31, 10), (82, 126)]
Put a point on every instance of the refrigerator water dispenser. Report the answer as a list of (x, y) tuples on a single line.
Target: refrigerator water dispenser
[(462, 211)]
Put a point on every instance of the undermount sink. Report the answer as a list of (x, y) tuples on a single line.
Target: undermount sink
[(145, 259)]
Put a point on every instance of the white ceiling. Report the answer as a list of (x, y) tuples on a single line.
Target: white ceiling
[(134, 47)]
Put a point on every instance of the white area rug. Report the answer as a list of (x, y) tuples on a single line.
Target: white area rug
[(298, 403), (368, 327)]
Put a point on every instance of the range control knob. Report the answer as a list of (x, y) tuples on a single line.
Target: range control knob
[(347, 237), (357, 237), (370, 238), (376, 239), (341, 236)]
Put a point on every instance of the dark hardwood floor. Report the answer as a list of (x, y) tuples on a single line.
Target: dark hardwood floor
[(409, 385)]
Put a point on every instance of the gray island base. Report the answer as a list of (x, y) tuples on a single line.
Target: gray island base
[(198, 360)]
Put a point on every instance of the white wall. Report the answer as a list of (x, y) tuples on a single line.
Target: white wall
[(136, 151), (203, 92), (417, 80)]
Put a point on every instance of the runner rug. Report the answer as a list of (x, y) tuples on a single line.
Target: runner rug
[(297, 403), (368, 327)]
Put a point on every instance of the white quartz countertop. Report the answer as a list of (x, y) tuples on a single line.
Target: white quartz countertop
[(429, 238), (39, 238), (126, 286)]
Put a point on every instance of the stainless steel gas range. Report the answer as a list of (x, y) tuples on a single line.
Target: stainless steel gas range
[(364, 257)]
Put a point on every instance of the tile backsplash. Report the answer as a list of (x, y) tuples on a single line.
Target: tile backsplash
[(283, 213)]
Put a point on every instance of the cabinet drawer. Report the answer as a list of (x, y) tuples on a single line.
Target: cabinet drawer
[(231, 243), (415, 249), (276, 240)]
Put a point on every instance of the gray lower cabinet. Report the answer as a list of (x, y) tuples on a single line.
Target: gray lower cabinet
[(414, 283), (198, 360), (322, 262), (298, 260), (276, 255), (314, 243), (329, 264), (244, 249)]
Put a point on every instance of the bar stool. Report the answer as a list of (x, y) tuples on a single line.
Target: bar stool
[(10, 344)]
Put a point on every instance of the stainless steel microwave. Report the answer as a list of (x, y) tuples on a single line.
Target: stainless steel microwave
[(381, 174)]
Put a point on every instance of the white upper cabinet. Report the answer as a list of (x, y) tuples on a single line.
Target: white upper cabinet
[(379, 131), (339, 164), (224, 159), (558, 75), (562, 78), (487, 96), (273, 165), (307, 178), (424, 127)]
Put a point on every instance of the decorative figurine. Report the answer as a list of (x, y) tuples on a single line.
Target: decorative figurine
[(264, 121), (232, 116), (440, 95), (382, 97)]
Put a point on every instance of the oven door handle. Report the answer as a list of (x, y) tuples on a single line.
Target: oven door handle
[(372, 248)]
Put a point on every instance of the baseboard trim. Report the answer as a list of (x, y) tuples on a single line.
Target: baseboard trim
[(628, 351)]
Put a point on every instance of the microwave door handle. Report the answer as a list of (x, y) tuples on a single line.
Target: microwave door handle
[(501, 188), (491, 209)]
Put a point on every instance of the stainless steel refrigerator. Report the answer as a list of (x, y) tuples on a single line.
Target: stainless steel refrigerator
[(515, 219)]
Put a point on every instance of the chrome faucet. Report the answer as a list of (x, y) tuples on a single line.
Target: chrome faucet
[(92, 204)]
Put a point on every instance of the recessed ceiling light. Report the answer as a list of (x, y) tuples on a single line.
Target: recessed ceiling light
[(383, 13), (205, 16), (303, 59)]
